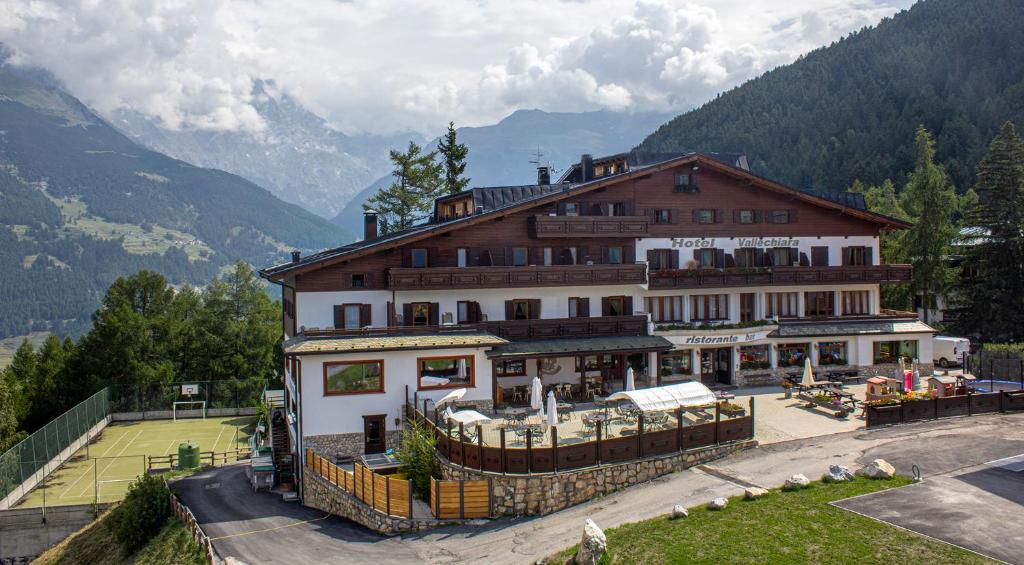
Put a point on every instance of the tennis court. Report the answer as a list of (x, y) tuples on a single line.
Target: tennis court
[(119, 455)]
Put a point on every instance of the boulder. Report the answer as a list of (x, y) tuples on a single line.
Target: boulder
[(718, 503), (796, 482), (678, 511), (837, 474), (751, 493), (592, 546), (877, 469)]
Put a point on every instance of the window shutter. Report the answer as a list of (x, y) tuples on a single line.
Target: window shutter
[(407, 314), (433, 314), (606, 306), (735, 215), (819, 256), (561, 208), (761, 258), (673, 216), (510, 312), (719, 216), (534, 305), (474, 312), (652, 254), (391, 314), (792, 215), (730, 261), (627, 306), (846, 256), (628, 255), (365, 315), (673, 259), (583, 308), (604, 256), (794, 256), (339, 316), (804, 262), (720, 258), (696, 215), (868, 252), (407, 258), (696, 255), (758, 216)]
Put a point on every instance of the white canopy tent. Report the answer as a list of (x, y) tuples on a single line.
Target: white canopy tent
[(451, 397), (468, 417), (668, 397)]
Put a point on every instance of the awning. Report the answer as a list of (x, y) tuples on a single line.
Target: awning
[(467, 417), (583, 346), (850, 327), (668, 397)]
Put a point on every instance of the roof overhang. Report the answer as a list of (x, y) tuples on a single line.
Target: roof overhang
[(798, 330), (583, 346), (371, 344)]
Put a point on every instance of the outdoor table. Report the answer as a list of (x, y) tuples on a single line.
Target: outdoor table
[(564, 408), (595, 419)]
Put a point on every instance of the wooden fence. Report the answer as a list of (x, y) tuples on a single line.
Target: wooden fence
[(380, 492), (209, 458), (566, 457), (184, 514), (944, 407), (460, 499)]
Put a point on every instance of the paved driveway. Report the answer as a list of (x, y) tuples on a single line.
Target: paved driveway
[(938, 447)]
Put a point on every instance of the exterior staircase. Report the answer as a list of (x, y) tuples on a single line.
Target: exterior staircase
[(281, 446)]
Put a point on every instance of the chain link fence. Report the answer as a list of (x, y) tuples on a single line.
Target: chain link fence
[(231, 393)]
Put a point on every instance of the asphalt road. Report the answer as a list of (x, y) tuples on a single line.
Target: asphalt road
[(942, 450)]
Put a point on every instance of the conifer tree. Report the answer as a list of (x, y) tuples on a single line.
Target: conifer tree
[(883, 199), (453, 160), (408, 200)]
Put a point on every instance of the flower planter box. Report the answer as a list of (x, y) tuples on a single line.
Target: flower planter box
[(914, 410), (882, 415)]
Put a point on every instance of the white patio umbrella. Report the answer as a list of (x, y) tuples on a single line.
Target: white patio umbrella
[(552, 409), (451, 397), (536, 394), (630, 379), (901, 369), (917, 378), (808, 378)]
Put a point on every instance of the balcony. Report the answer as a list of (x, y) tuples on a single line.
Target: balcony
[(515, 330), (772, 276), (438, 278), (590, 226)]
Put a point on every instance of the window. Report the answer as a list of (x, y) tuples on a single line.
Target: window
[(614, 255), (686, 182), (351, 316), (662, 216), (746, 257), (665, 308), (445, 372), (616, 306), (781, 305), (856, 302), (420, 314), (832, 353), (755, 357), (520, 309), (520, 256), (856, 256), (353, 377), (352, 321), (616, 209), (706, 257), (572, 209), (793, 354), (781, 256), (660, 259), (748, 300), (579, 307), (512, 368), (548, 256), (887, 352), (705, 216), (464, 310), (709, 307), (819, 303), (745, 216), (779, 216), (358, 280), (677, 363), (419, 258), (462, 257), (573, 255)]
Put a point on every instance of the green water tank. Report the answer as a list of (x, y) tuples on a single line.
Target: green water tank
[(188, 455)]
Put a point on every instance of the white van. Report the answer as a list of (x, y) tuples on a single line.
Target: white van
[(949, 351)]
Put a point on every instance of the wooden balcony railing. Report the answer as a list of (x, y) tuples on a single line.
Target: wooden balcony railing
[(436, 278), (512, 330), (590, 226), (770, 276)]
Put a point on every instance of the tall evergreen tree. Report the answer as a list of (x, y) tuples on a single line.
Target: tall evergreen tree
[(407, 201), (883, 199), (453, 160), (9, 434), (990, 295), (931, 202), (20, 376)]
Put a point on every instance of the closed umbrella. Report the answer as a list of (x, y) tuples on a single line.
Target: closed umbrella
[(630, 384), (808, 379), (552, 409), (536, 394)]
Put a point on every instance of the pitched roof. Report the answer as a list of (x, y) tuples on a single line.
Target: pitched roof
[(554, 347), (359, 344), (529, 198)]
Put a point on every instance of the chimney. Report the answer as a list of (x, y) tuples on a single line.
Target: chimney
[(296, 255), (543, 176), (586, 167), (369, 225)]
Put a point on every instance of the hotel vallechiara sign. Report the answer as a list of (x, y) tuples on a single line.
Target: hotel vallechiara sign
[(740, 242)]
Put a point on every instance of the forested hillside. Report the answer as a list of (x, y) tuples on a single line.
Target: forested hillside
[(81, 204), (847, 111)]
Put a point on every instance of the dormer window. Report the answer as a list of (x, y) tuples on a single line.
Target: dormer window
[(418, 258), (686, 182), (572, 209)]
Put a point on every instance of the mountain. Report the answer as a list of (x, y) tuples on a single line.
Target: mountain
[(81, 204), (500, 154), (849, 110), (297, 156)]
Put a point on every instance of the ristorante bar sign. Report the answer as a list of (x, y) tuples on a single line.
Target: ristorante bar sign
[(741, 242)]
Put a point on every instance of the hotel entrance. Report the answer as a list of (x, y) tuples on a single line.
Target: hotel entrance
[(716, 366)]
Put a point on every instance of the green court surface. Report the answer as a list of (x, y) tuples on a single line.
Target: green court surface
[(121, 452)]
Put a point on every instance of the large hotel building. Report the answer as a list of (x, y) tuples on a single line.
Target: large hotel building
[(679, 266)]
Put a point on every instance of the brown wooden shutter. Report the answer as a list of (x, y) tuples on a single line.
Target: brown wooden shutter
[(627, 306), (793, 215), (628, 254), (583, 308), (365, 315), (651, 256), (510, 311), (407, 314), (804, 262), (869, 255), (819, 256), (696, 255), (534, 306), (735, 216), (719, 258), (730, 261), (391, 314), (673, 258), (846, 256), (719, 216), (433, 314), (696, 215), (339, 316), (606, 306), (758, 216), (674, 215), (474, 312), (794, 256)]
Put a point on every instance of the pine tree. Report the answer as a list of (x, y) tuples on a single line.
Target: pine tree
[(453, 161), (931, 202), (20, 376), (883, 199), (9, 434), (408, 200), (990, 295)]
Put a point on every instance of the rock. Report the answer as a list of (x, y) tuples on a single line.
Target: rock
[(592, 546), (718, 503), (877, 469), (754, 492), (837, 474), (678, 511), (796, 482)]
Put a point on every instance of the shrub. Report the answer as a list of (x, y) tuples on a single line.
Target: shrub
[(416, 454), (141, 514)]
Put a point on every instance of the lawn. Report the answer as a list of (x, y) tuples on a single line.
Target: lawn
[(782, 527)]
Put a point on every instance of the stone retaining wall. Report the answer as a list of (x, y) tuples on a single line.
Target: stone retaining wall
[(346, 445), (322, 495), (543, 494)]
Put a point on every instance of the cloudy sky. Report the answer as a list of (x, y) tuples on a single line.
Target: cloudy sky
[(382, 66)]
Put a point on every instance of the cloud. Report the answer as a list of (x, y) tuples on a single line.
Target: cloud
[(384, 65)]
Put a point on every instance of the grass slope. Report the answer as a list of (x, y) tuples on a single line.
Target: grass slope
[(782, 527)]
